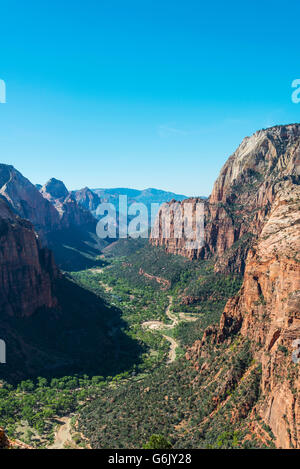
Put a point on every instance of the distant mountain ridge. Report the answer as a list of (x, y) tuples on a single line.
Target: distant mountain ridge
[(140, 195), (60, 222), (91, 198)]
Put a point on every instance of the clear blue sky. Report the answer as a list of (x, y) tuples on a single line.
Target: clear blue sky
[(142, 93)]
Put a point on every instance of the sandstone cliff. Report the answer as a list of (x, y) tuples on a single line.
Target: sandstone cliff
[(70, 213), (87, 199), (51, 209), (26, 201), (27, 270), (266, 313), (61, 224), (252, 222), (242, 197)]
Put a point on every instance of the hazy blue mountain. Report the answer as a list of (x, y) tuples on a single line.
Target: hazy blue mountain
[(145, 196), (90, 198)]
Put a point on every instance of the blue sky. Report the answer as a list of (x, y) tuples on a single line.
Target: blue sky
[(142, 93)]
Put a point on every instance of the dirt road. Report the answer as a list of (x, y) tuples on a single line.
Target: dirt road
[(63, 434), (158, 325)]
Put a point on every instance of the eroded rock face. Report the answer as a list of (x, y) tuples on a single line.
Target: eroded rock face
[(27, 270), (70, 213), (87, 199), (242, 197), (267, 313), (54, 189), (27, 202), (270, 307), (50, 209)]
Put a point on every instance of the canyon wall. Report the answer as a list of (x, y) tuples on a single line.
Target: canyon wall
[(252, 226), (62, 225), (51, 210), (267, 312), (27, 269), (241, 199), (26, 201), (69, 211)]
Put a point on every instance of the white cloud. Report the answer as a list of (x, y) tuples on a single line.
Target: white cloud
[(165, 131)]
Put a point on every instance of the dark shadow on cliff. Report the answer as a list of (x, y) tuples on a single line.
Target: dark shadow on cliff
[(77, 248), (85, 336)]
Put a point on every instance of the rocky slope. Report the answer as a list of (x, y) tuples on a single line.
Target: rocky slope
[(87, 199), (91, 198), (27, 269), (61, 224), (266, 312), (50, 209), (26, 201), (70, 213), (6, 443), (50, 325), (252, 226), (242, 197)]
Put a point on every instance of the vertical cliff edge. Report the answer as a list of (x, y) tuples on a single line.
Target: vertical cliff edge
[(27, 269), (242, 197)]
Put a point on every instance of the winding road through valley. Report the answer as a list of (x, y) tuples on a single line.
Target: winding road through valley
[(158, 325)]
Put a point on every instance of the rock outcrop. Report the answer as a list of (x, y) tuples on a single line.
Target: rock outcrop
[(266, 312), (62, 225), (242, 198), (27, 202), (51, 209), (252, 225), (87, 199), (70, 213), (7, 443), (27, 269)]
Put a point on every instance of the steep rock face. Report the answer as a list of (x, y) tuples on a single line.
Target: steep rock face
[(268, 313), (54, 189), (87, 199), (50, 209), (26, 201), (70, 213), (242, 197), (27, 269), (61, 224)]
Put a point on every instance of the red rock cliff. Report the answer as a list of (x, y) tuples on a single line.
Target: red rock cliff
[(242, 197), (27, 270), (70, 212), (267, 311), (50, 210), (26, 201)]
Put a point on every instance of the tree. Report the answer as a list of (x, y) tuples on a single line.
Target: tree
[(157, 442)]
